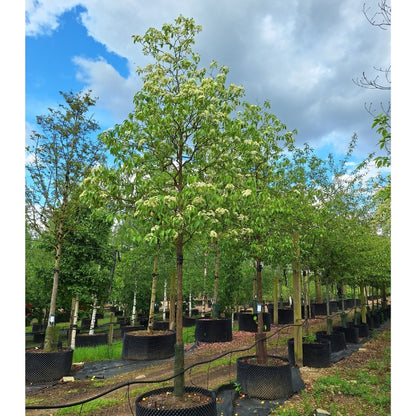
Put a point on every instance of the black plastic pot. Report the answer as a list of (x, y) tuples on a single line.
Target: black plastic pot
[(48, 366), (161, 325), (129, 328), (140, 346), (316, 354), (86, 323), (268, 382), (312, 307), (39, 336), (337, 338), (86, 340), (285, 316), (213, 330), (363, 330), (248, 321), (351, 333), (320, 308), (37, 328), (187, 321), (209, 408)]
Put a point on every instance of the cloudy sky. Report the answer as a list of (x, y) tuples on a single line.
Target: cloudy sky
[(301, 55)]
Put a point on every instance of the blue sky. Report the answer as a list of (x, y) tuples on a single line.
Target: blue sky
[(300, 55)]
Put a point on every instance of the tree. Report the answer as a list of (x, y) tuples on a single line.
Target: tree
[(62, 155), (262, 138), (176, 135)]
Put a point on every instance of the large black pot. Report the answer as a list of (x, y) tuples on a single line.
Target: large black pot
[(213, 330), (337, 338), (285, 316), (86, 340), (316, 354), (208, 408), (187, 321), (129, 328), (351, 333), (86, 323), (138, 345), (268, 382), (48, 366), (248, 321), (312, 307), (320, 308), (363, 330), (161, 325)]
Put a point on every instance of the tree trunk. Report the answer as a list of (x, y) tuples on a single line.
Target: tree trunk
[(261, 345), (179, 363), (94, 314), (275, 299), (305, 302), (71, 321), (49, 344), (133, 312), (204, 292), (363, 304), (297, 311), (328, 313), (172, 309), (318, 289), (215, 306), (74, 326), (153, 295), (165, 299)]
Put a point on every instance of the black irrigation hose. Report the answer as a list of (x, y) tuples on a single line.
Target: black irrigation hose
[(171, 377)]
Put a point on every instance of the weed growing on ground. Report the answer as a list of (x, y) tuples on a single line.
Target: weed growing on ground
[(363, 390)]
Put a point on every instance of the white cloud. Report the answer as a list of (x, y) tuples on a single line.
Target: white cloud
[(115, 92), (42, 16)]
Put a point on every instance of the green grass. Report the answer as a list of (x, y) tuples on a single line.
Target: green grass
[(89, 408), (362, 390), (98, 353)]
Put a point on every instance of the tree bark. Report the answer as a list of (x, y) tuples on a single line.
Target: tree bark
[(318, 289), (275, 299), (133, 312), (179, 364), (172, 309), (297, 311), (363, 302), (153, 295), (49, 337), (74, 326), (94, 314), (261, 344), (215, 306)]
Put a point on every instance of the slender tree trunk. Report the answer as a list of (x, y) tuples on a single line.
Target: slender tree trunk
[(153, 295), (215, 306), (179, 364), (94, 314), (71, 321), (297, 311), (51, 343), (305, 303), (261, 344), (190, 304), (275, 299), (363, 304), (280, 287), (74, 326), (172, 309), (133, 312), (318, 289), (204, 292), (165, 299), (328, 313)]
